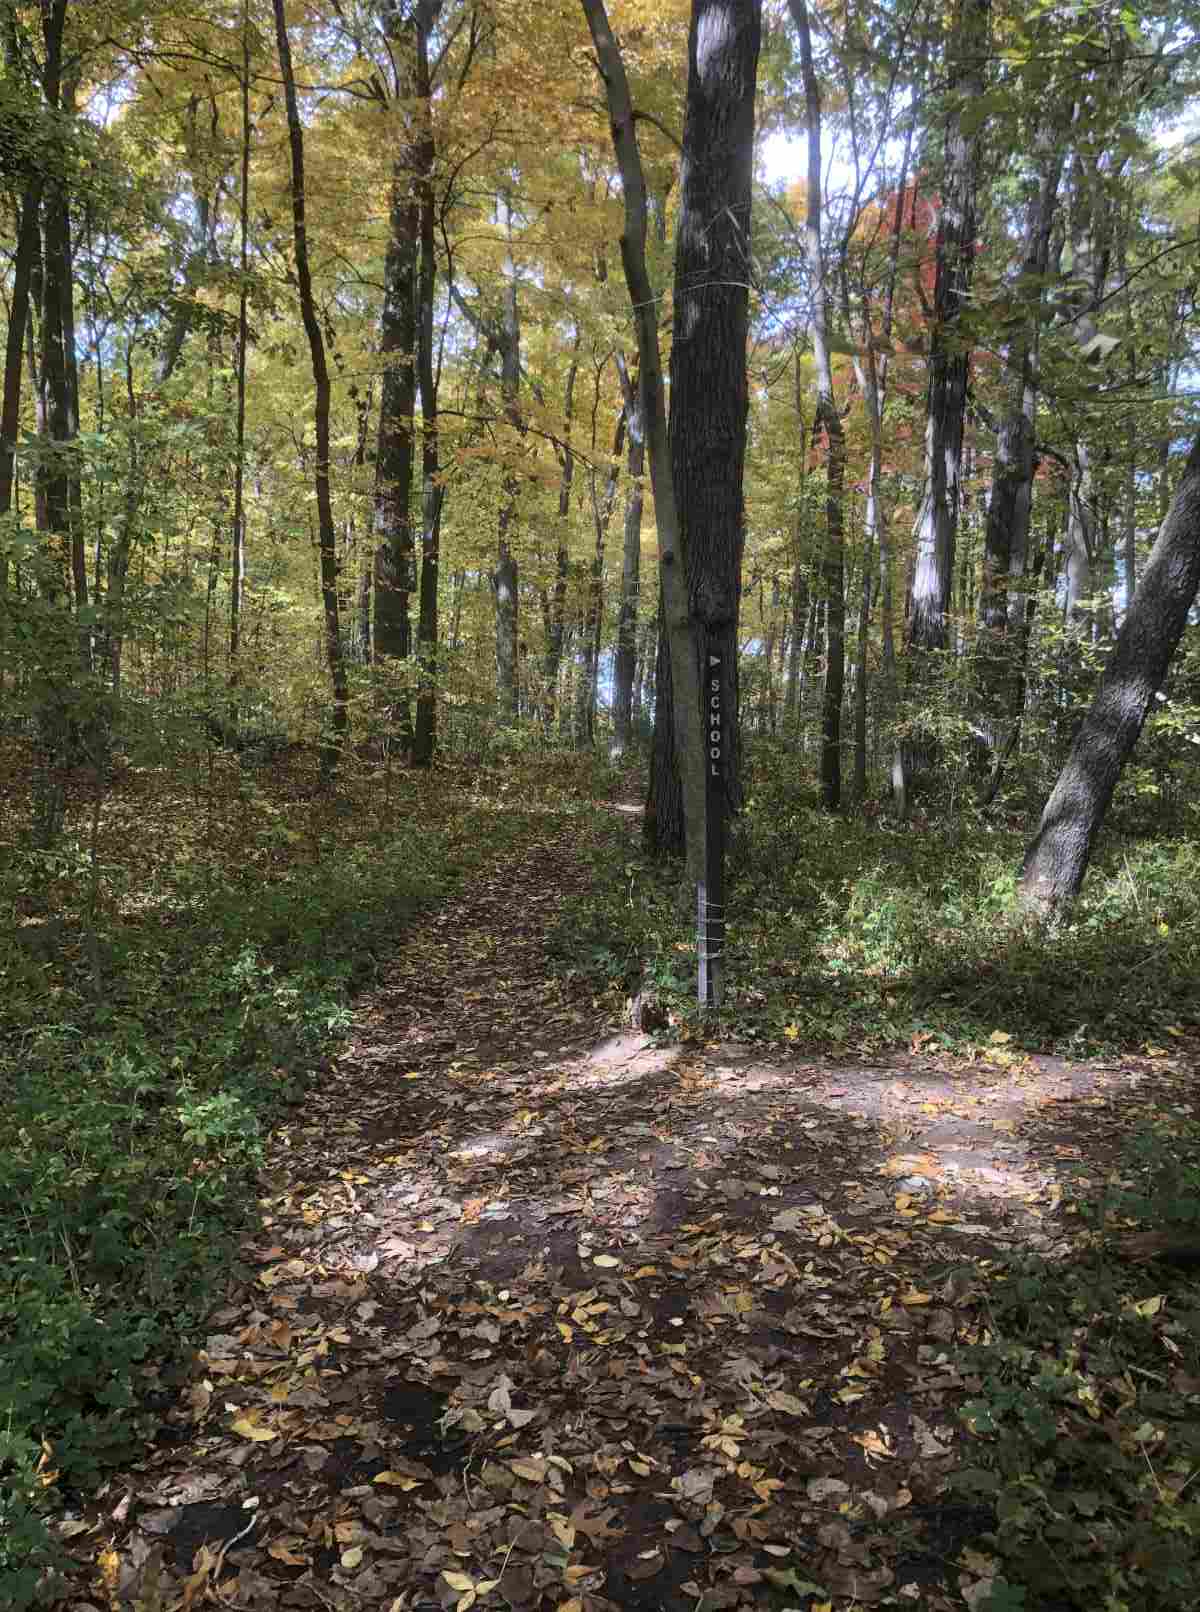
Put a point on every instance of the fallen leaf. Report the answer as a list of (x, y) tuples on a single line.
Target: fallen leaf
[(646, 1564), (251, 1430), (820, 1489)]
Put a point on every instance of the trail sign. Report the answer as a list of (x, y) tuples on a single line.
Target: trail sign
[(710, 894)]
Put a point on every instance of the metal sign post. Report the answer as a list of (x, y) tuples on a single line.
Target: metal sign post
[(710, 903)]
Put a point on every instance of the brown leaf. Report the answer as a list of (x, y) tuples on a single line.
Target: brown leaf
[(646, 1564)]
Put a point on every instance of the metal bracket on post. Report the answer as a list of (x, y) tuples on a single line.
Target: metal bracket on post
[(710, 894)]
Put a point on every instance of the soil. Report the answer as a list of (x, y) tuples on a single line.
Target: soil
[(544, 1314)]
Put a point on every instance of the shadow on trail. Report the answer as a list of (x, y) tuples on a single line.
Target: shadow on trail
[(542, 1312)]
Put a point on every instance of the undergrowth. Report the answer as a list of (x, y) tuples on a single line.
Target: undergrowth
[(167, 992), (1086, 1404), (856, 932)]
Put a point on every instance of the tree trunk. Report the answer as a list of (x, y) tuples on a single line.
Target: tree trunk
[(631, 559), (58, 473), (829, 420), (681, 718), (432, 489), (326, 534), (237, 566), (949, 359), (24, 262), (1056, 862), (709, 390), (1006, 533), (505, 579), (602, 508), (555, 599)]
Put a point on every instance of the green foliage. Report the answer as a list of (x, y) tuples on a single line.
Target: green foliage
[(863, 931), (1085, 1414), (132, 1118)]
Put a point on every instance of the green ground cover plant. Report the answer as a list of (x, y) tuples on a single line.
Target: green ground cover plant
[(1087, 1380), (148, 1041), (861, 931)]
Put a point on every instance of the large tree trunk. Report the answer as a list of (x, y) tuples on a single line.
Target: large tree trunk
[(1056, 862), (631, 560), (326, 534), (709, 390), (829, 421)]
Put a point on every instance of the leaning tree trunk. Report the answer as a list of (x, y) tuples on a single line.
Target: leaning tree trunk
[(1056, 862), (326, 534), (682, 716)]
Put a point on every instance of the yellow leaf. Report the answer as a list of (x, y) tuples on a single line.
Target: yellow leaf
[(352, 1557), (564, 1533), (915, 1297), (645, 1270), (942, 1217), (566, 1331), (250, 1430), (607, 1260), (1149, 1307), (903, 1199), (999, 1037), (486, 1584), (397, 1480), (459, 1581)]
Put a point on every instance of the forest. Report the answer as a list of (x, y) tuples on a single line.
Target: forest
[(507, 511)]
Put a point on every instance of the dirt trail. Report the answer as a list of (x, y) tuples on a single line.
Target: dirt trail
[(617, 1326)]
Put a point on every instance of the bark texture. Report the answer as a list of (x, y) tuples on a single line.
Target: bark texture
[(1056, 862), (709, 390)]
